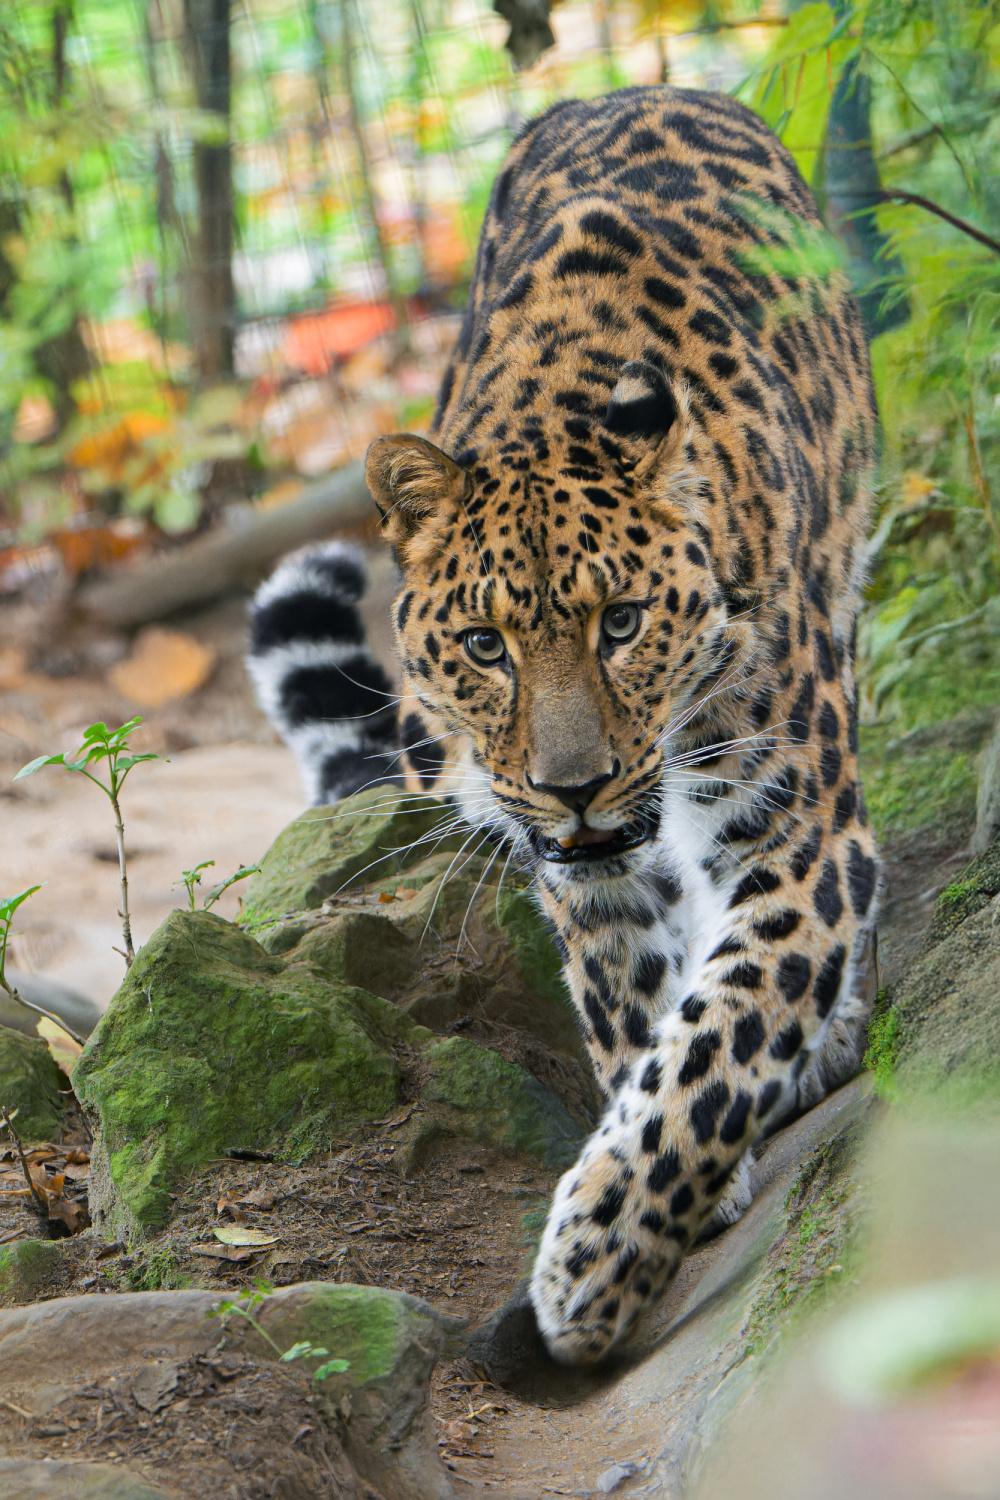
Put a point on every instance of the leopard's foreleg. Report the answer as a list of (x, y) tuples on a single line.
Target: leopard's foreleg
[(716, 1068)]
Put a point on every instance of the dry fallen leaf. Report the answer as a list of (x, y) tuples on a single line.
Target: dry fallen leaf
[(237, 1234), (457, 1431), (71, 1214), (228, 1206), (164, 665), (60, 1044), (224, 1252), (259, 1197)]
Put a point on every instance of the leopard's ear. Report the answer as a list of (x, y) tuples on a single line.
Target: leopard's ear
[(414, 485), (644, 410)]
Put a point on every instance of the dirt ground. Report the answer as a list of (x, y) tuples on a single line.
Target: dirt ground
[(224, 791)]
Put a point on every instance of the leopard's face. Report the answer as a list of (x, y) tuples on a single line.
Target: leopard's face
[(565, 626)]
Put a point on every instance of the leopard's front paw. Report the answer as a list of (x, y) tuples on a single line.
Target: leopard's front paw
[(604, 1253)]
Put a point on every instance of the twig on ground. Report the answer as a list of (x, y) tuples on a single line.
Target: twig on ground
[(39, 1202)]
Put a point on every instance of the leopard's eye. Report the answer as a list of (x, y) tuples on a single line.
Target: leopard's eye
[(620, 622), (485, 646)]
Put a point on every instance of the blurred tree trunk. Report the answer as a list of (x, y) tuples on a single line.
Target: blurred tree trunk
[(381, 243), (212, 301), (64, 358), (850, 189)]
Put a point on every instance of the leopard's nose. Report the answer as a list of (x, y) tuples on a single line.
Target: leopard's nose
[(576, 798)]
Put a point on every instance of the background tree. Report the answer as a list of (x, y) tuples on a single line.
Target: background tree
[(212, 302)]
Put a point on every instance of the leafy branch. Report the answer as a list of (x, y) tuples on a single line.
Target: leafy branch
[(110, 748)]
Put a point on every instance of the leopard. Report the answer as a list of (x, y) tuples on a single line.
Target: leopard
[(631, 553)]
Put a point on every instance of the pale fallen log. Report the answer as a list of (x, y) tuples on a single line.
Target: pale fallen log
[(232, 557)]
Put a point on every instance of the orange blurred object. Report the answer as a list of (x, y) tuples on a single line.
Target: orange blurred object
[(94, 546), (111, 449), (317, 340), (164, 665)]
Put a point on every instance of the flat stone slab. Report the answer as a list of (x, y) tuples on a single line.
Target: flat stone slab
[(134, 1344), (24, 1479)]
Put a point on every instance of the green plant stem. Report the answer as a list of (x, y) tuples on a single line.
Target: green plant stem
[(129, 954), (254, 1324)]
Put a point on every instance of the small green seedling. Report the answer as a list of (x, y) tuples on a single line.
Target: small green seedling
[(190, 878), (242, 873), (303, 1350), (110, 746), (8, 906)]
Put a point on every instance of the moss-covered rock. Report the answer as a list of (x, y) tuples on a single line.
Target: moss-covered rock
[(489, 1097), (23, 1267), (942, 1033), (30, 1082), (973, 889), (373, 833), (948, 1034), (213, 1045)]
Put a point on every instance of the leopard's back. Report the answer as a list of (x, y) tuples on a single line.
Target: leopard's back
[(640, 226)]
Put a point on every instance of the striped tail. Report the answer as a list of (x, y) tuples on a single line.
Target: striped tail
[(315, 677)]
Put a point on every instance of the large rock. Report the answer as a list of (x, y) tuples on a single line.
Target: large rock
[(140, 1351), (213, 1046), (218, 1044), (24, 1266), (30, 1081), (948, 1007), (376, 832)]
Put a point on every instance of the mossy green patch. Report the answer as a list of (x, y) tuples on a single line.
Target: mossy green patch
[(363, 1324), (883, 1045), (488, 1096), (214, 1045), (815, 1251), (24, 1266), (531, 939), (30, 1082), (375, 834), (156, 1270), (974, 888)]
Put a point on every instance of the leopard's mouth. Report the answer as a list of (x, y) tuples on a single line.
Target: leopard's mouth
[(592, 844)]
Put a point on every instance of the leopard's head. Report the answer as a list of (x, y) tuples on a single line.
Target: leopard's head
[(560, 607)]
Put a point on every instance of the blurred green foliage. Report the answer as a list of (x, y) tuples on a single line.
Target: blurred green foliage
[(404, 108)]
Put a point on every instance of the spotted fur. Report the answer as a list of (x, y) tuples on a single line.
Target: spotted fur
[(654, 414)]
